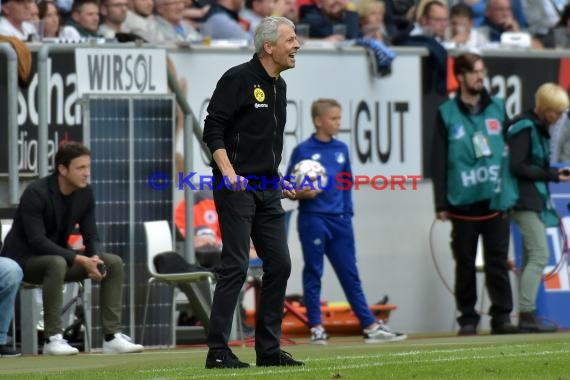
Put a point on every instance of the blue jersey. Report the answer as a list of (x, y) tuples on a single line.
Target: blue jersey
[(333, 155)]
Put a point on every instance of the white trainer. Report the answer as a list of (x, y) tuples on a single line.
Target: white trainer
[(319, 336), (58, 346), (381, 333), (121, 344)]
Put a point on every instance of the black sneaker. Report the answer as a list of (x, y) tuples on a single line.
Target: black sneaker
[(282, 358), (505, 328), (467, 330), (8, 352), (223, 359)]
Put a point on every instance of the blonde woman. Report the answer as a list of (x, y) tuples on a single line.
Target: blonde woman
[(529, 162), (371, 14)]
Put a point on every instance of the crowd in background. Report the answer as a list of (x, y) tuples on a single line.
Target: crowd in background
[(467, 24)]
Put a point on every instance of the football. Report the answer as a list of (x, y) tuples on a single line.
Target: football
[(310, 170)]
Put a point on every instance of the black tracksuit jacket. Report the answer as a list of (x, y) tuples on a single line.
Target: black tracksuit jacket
[(246, 116)]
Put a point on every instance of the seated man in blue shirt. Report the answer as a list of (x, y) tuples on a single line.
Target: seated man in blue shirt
[(223, 22), (10, 278)]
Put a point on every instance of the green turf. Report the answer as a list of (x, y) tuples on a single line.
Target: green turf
[(543, 356)]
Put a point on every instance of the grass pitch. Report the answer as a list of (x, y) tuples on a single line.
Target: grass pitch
[(537, 356)]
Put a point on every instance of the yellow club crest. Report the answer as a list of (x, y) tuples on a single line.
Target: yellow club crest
[(259, 94)]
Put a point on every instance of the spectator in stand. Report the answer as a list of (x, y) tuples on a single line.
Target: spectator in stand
[(372, 19), (114, 13), (223, 22), (64, 9), (499, 18), (421, 4), (195, 12), (141, 21), (478, 10), (35, 20), (256, 10), (463, 35), (15, 19), (51, 18), (84, 21), (400, 15), (542, 16), (34, 13), (171, 23), (326, 14), (287, 9), (562, 30), (432, 21), (434, 13)]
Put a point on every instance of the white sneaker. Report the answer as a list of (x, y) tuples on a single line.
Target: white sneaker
[(121, 344), (319, 336), (381, 333), (58, 346)]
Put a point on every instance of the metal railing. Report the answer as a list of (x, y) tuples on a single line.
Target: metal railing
[(191, 129), (12, 108)]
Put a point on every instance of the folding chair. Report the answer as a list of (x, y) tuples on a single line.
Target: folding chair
[(159, 239)]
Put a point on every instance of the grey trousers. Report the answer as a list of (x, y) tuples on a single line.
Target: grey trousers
[(535, 257), (52, 272)]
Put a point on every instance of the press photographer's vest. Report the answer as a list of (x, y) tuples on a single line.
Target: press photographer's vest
[(472, 172), (540, 152)]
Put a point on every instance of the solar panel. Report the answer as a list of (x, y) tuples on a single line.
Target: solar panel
[(130, 138)]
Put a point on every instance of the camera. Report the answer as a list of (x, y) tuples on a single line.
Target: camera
[(102, 268)]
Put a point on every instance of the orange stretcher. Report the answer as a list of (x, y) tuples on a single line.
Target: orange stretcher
[(338, 318)]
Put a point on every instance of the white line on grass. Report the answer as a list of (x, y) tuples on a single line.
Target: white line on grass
[(423, 352), (307, 369)]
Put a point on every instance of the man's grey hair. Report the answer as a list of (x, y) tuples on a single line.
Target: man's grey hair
[(267, 31)]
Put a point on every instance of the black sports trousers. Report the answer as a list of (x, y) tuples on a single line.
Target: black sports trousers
[(258, 214), (464, 238)]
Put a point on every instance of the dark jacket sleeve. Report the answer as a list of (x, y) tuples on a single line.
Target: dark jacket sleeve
[(88, 228), (223, 105), (33, 204), (519, 160), (439, 165)]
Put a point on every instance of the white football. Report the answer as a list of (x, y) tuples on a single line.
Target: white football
[(310, 170)]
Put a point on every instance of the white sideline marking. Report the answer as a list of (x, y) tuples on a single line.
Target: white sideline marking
[(483, 345), (248, 373)]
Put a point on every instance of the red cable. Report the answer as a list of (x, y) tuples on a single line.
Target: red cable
[(473, 218)]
